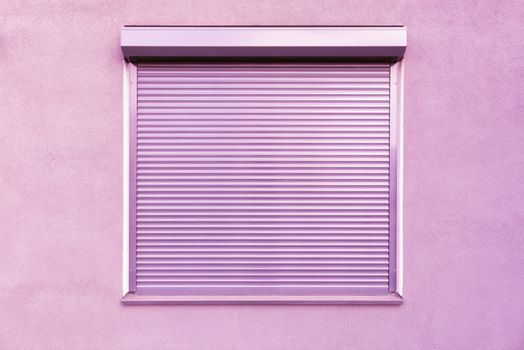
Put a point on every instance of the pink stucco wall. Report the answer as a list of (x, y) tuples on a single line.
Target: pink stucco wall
[(61, 182)]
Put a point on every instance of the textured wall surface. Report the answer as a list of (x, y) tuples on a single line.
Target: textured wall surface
[(61, 182)]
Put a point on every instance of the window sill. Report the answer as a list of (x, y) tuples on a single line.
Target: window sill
[(383, 299)]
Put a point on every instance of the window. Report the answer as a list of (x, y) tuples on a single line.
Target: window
[(263, 164)]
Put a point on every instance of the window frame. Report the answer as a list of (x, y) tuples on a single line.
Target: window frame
[(393, 54)]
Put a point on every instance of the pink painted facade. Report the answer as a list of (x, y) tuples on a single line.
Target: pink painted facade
[(61, 183)]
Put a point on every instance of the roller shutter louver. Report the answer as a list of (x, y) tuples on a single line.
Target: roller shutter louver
[(262, 179)]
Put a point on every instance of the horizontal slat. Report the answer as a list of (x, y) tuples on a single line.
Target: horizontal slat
[(247, 207), (164, 126), (370, 197), (277, 238), (269, 198), (234, 243), (148, 173), (169, 97), (268, 69), (261, 268), (261, 224), (263, 233), (260, 111), (197, 177), (263, 95), (263, 78), (205, 216), (266, 73), (295, 123), (317, 84), (299, 75), (191, 147), (371, 216), (197, 154), (239, 260), (338, 191), (224, 273), (254, 105), (261, 262), (254, 76), (269, 173), (261, 75), (305, 185), (276, 135), (321, 268), (243, 251), (338, 160), (263, 285), (247, 66), (272, 140), (236, 128), (168, 199), (269, 74), (261, 279), (318, 166), (266, 117), (285, 236), (228, 201), (206, 183)]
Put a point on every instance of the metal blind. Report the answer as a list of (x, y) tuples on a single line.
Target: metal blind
[(261, 179)]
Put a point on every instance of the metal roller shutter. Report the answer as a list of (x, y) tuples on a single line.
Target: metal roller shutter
[(261, 179)]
